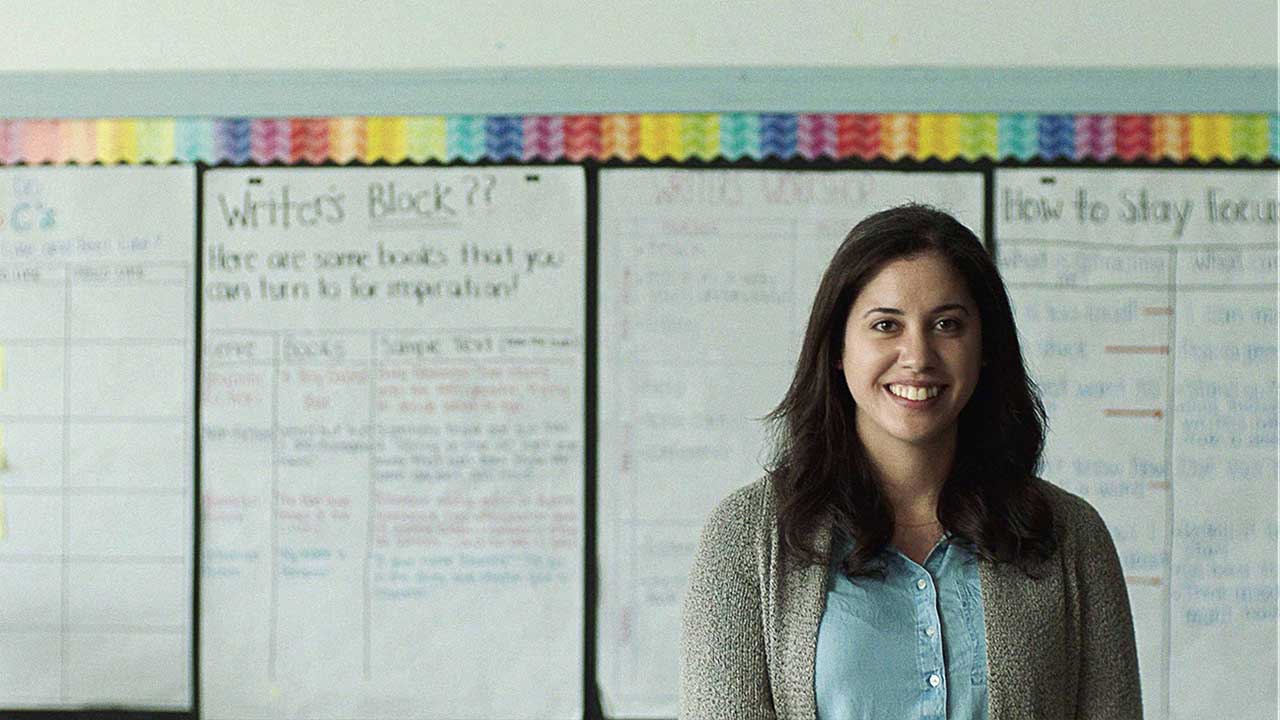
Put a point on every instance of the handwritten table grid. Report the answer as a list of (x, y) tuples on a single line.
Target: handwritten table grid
[(71, 563)]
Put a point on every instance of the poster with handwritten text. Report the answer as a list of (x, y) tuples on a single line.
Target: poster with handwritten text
[(1147, 306), (97, 396), (392, 443), (706, 279)]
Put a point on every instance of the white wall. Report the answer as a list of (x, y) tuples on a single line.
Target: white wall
[(85, 35)]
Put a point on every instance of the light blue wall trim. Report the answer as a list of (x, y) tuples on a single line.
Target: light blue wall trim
[(584, 90)]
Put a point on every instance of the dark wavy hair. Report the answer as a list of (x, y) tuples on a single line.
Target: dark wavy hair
[(819, 469)]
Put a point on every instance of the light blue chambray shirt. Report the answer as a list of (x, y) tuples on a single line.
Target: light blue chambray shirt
[(911, 644)]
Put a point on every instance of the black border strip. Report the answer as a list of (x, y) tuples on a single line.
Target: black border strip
[(592, 708), (196, 474)]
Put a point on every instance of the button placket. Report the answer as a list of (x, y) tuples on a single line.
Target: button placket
[(930, 639)]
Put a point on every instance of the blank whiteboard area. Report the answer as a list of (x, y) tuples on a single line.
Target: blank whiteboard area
[(706, 279), (1146, 301), (97, 310), (392, 434)]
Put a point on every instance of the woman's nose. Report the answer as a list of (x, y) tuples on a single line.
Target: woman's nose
[(917, 351)]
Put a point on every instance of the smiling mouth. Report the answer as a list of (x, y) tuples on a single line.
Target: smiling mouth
[(914, 393)]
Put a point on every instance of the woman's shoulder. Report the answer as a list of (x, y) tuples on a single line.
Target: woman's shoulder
[(743, 513), (1074, 518), (733, 540)]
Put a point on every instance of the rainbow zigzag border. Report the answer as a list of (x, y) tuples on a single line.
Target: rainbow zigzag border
[(651, 137)]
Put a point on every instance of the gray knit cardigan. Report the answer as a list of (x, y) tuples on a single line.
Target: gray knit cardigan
[(1060, 646)]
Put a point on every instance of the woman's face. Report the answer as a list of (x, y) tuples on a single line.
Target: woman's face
[(912, 354)]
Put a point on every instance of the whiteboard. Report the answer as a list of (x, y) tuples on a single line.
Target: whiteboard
[(1146, 300), (392, 430), (706, 278), (97, 374)]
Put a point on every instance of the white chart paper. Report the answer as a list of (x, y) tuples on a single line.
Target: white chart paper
[(706, 279), (97, 317), (1147, 306), (393, 443)]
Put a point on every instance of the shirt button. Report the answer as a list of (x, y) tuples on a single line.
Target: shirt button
[(922, 584), (930, 631), (934, 680)]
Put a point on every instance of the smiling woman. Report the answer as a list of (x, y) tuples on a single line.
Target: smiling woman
[(912, 354), (901, 559)]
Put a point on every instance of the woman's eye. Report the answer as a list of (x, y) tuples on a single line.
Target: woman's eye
[(884, 325), (948, 324)]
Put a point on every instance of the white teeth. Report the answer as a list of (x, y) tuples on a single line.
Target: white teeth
[(911, 392)]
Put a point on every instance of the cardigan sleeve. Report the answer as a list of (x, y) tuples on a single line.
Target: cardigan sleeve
[(723, 669), (1109, 685)]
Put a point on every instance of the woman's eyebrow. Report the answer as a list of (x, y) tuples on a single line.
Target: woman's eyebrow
[(896, 311), (885, 310)]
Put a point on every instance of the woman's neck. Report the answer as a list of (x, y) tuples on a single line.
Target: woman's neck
[(911, 478)]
